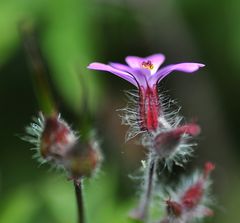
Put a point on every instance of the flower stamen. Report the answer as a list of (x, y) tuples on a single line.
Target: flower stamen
[(147, 65)]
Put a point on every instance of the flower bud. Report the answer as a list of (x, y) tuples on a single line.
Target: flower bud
[(193, 195), (191, 199), (51, 136), (174, 208), (55, 141), (82, 160), (208, 168), (167, 142), (57, 138)]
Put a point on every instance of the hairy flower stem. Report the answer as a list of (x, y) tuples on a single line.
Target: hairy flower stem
[(143, 210), (150, 186), (80, 205)]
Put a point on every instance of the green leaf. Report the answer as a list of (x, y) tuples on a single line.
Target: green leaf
[(66, 44)]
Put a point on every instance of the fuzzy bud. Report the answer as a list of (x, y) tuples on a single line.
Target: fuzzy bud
[(52, 138), (191, 200), (165, 143), (57, 138), (193, 195), (82, 160), (174, 208), (208, 168)]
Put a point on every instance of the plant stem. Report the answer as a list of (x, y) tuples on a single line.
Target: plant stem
[(149, 187), (39, 71), (141, 213), (80, 205)]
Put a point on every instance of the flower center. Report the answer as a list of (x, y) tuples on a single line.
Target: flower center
[(147, 65)]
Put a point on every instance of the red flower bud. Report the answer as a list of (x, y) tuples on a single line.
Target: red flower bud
[(191, 199), (193, 195), (174, 208), (166, 143), (191, 129), (208, 168), (56, 139)]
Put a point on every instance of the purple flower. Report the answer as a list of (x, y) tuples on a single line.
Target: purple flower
[(145, 74)]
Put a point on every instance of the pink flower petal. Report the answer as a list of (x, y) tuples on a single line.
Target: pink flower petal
[(121, 67), (140, 75), (122, 74), (133, 61), (183, 67)]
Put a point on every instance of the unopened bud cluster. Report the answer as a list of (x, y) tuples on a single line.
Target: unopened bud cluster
[(55, 142), (191, 200)]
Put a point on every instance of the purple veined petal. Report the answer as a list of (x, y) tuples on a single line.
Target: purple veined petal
[(121, 67), (183, 67), (140, 75), (155, 59), (134, 61), (133, 71), (103, 67)]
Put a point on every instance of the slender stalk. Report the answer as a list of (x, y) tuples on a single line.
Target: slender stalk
[(150, 181), (79, 198), (39, 71), (142, 211), (149, 188)]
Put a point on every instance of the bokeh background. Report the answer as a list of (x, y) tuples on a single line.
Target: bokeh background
[(72, 33)]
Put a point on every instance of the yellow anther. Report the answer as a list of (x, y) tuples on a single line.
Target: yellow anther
[(147, 65)]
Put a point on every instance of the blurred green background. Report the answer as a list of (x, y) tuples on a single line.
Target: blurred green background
[(73, 33)]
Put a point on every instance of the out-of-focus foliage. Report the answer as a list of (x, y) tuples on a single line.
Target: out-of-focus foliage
[(65, 42), (218, 29), (52, 200), (215, 26)]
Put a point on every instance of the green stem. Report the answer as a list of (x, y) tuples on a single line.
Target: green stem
[(39, 71)]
